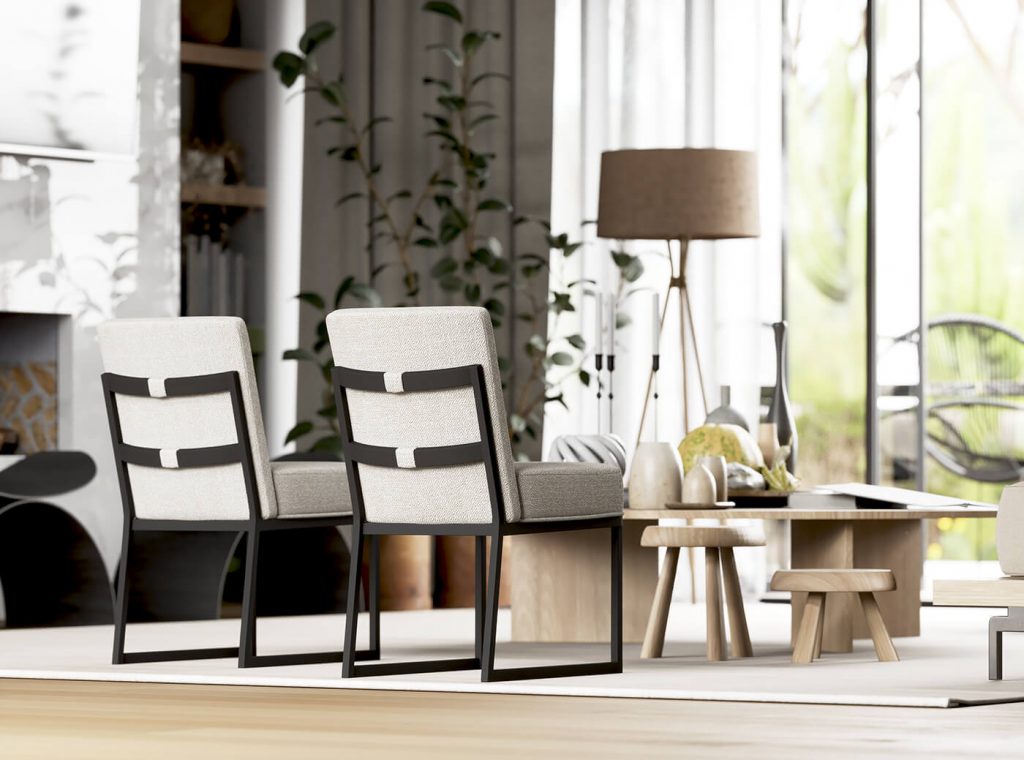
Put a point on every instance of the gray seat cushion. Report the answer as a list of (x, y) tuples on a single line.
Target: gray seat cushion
[(311, 489), (568, 490)]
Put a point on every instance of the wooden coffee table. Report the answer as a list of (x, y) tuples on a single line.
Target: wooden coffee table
[(560, 584)]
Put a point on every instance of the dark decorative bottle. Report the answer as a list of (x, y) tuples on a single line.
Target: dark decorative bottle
[(780, 411)]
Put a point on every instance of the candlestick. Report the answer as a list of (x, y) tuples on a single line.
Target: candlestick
[(655, 323), (610, 351), (598, 322)]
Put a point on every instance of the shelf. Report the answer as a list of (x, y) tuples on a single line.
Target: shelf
[(244, 196), (223, 57)]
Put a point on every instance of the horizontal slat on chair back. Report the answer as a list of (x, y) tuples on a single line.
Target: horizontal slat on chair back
[(166, 348), (396, 341)]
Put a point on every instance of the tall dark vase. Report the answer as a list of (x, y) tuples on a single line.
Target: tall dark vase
[(780, 411)]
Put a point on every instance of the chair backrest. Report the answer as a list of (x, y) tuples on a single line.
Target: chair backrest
[(157, 349), (400, 340), (1010, 530)]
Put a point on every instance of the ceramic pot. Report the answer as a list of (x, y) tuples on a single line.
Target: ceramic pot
[(656, 476), (717, 467), (725, 414), (699, 486)]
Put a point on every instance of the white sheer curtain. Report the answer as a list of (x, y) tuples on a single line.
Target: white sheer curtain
[(668, 73)]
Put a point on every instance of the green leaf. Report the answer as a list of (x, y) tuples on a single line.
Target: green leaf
[(444, 84), (561, 358), (319, 32), (453, 56), (366, 293), (301, 355), (343, 288), (303, 428), (327, 443), (494, 204), (472, 41), (333, 93), (516, 423), (313, 299), (584, 377), (374, 122), (472, 292), (481, 120), (425, 242), (288, 66), (494, 306), (444, 267), (451, 283), (443, 9), (488, 75), (346, 198), (577, 341)]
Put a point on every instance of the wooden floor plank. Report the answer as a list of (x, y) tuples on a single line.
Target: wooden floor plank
[(47, 719)]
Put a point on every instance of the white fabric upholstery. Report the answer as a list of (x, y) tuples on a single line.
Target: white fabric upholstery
[(308, 489), (409, 339), (568, 490), (163, 348), (1010, 530)]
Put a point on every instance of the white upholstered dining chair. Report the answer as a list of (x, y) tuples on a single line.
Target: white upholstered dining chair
[(426, 442), (191, 455)]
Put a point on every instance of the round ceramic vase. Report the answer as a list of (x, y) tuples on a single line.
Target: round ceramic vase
[(717, 467), (656, 476)]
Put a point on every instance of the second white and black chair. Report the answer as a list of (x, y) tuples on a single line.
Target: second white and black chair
[(426, 443), (191, 455)]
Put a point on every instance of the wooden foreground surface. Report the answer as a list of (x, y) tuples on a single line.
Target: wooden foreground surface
[(65, 719)]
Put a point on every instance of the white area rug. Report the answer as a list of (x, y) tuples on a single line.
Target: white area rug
[(946, 667)]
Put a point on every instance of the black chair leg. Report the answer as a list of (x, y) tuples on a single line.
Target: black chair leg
[(121, 603), (373, 603), (613, 665), (247, 638), (348, 669), (480, 580)]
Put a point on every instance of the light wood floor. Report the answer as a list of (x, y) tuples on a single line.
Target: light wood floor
[(64, 719)]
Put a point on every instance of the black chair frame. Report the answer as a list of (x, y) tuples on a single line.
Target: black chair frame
[(237, 453), (487, 584)]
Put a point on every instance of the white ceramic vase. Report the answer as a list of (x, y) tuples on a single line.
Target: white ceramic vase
[(699, 486), (717, 467), (656, 476)]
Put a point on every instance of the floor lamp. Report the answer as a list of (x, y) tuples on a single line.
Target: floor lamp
[(679, 194)]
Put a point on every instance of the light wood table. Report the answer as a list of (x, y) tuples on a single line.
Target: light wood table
[(560, 584)]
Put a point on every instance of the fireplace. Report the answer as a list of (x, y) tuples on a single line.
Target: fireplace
[(33, 372)]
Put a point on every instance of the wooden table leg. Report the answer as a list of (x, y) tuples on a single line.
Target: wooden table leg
[(884, 544), (560, 585), (713, 597), (892, 545), (825, 544), (739, 636)]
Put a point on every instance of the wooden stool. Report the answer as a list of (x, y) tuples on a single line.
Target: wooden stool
[(718, 544), (818, 583)]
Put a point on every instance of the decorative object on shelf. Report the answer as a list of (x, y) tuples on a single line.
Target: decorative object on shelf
[(655, 477), (604, 449), (725, 414), (717, 467), (678, 194), (699, 486), (768, 440), (730, 441), (780, 412)]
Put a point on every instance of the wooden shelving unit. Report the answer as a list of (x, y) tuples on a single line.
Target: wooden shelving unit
[(240, 196), (219, 56)]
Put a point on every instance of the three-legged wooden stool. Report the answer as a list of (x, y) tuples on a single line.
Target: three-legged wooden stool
[(718, 543), (819, 583)]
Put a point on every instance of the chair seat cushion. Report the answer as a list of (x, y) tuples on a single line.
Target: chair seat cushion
[(568, 490), (309, 489)]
